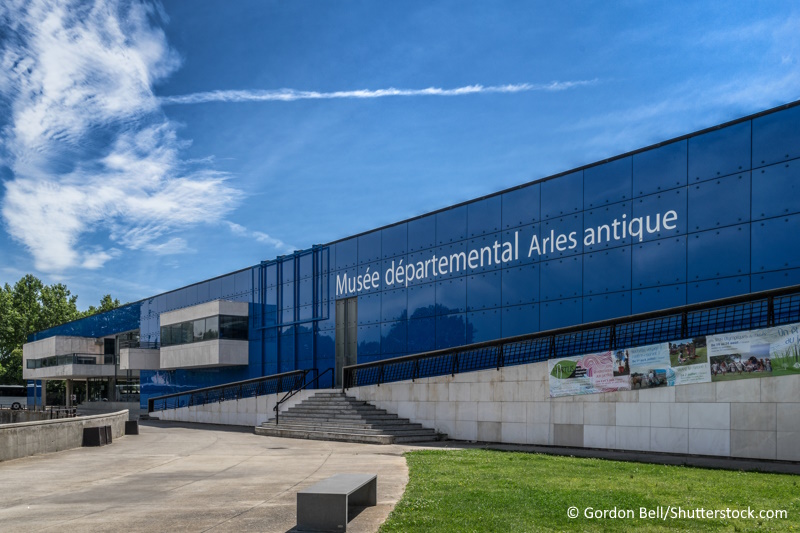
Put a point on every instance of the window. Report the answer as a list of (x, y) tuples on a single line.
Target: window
[(204, 329)]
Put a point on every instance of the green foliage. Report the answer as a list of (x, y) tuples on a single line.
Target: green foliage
[(106, 304), (485, 490), (31, 306)]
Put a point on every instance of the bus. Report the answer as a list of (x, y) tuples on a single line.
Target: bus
[(13, 396)]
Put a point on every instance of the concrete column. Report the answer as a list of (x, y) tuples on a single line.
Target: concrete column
[(86, 397), (69, 393), (44, 393), (112, 389)]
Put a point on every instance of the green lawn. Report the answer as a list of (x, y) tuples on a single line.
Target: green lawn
[(484, 490)]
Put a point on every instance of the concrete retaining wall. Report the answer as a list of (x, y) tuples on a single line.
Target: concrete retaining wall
[(46, 436), (99, 408), (752, 418), (245, 412), (9, 416)]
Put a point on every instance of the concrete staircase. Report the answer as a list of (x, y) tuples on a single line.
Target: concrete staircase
[(336, 416)]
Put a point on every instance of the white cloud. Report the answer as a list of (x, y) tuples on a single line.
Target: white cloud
[(290, 95), (259, 236), (87, 143)]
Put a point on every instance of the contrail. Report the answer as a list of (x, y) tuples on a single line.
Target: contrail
[(290, 95)]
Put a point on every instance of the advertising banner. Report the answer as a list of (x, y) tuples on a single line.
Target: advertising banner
[(650, 366), (724, 357), (755, 354), (587, 374)]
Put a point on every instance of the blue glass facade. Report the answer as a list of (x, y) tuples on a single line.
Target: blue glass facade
[(706, 216)]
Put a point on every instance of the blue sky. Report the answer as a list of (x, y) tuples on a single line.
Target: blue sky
[(147, 146)]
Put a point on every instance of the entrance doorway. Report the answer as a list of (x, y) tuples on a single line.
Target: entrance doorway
[(346, 335)]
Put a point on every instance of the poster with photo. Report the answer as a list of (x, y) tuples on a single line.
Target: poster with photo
[(650, 366), (755, 354), (587, 374), (689, 360)]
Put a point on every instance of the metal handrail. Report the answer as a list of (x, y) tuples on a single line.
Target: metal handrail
[(293, 392), (737, 313), (247, 388)]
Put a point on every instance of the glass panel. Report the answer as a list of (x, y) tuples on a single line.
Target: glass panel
[(607, 227), (561, 313), (484, 292), (393, 337), (486, 256), (776, 137), (560, 237), (607, 271), (286, 269), (484, 326), (608, 183), (520, 285), (187, 332), (719, 253), (483, 216), (657, 298), (717, 288), (369, 247), (306, 265), (520, 320), (166, 337), (451, 225), (369, 339), (451, 296), (346, 253), (720, 152), (720, 202), (773, 280), (198, 329), (652, 209), (770, 250), (451, 330), (394, 240), (212, 328), (605, 306), (421, 335), (176, 335), (369, 308), (394, 305), (233, 327), (421, 233), (776, 190), (421, 302), (660, 169), (659, 262), (563, 195), (561, 278), (521, 206)]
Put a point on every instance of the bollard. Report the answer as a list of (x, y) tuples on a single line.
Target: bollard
[(95, 436)]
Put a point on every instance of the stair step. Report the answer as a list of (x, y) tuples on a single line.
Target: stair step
[(383, 429), (403, 432), (343, 436), (335, 416)]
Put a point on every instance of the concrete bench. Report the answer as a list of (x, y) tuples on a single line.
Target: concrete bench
[(323, 506)]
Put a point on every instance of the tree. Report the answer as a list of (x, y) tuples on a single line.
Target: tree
[(31, 306), (106, 304)]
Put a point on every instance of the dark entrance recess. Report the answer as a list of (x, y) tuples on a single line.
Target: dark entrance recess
[(346, 335)]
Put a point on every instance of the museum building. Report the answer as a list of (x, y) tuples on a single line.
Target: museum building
[(705, 216)]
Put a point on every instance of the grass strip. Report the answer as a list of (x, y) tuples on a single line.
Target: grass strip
[(485, 490)]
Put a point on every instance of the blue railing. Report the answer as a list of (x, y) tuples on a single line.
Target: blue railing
[(285, 382), (738, 313)]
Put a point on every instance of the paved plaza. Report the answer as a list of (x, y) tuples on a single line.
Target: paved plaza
[(183, 477)]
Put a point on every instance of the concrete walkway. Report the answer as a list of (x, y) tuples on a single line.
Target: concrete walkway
[(185, 477)]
